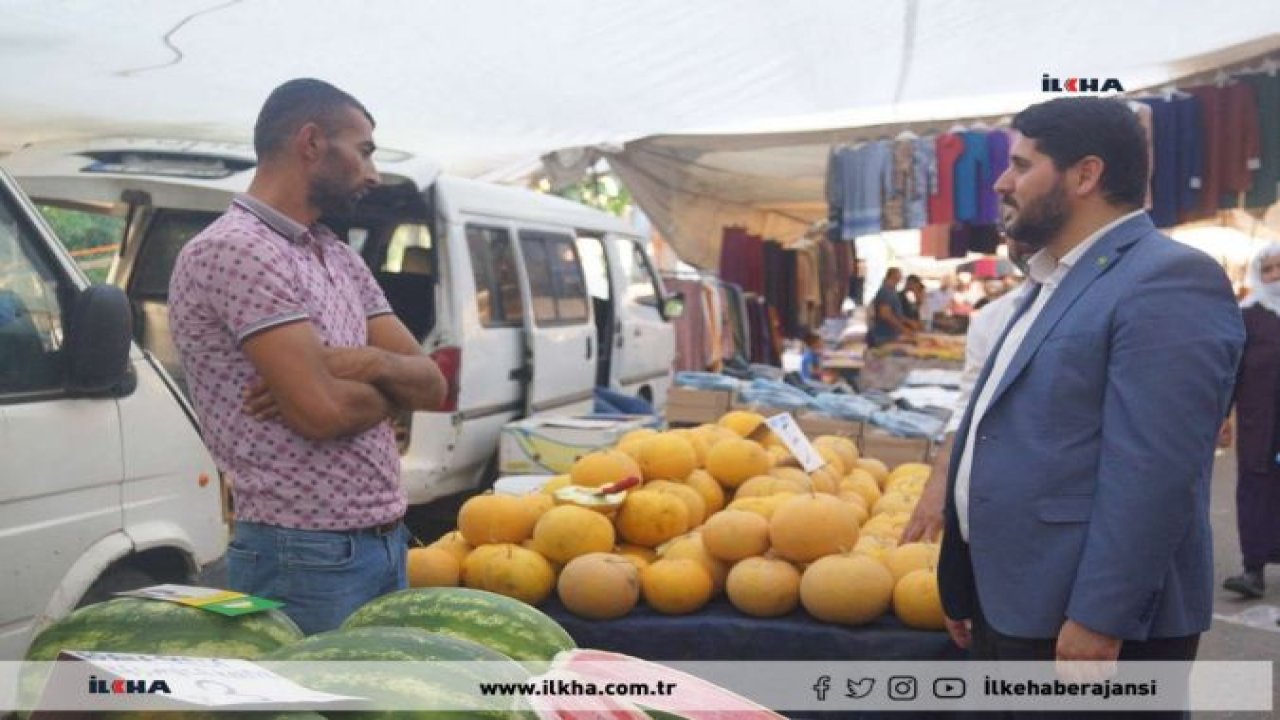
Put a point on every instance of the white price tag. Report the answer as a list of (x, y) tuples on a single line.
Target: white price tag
[(785, 427)]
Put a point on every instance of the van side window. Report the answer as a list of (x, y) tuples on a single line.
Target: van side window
[(409, 251), (92, 238), (167, 233), (31, 333), (556, 282), (642, 284), (497, 278)]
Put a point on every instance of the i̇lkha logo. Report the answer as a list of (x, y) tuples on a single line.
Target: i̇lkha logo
[(120, 686), (1079, 84)]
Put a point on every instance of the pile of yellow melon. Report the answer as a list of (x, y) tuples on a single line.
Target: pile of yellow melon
[(723, 508)]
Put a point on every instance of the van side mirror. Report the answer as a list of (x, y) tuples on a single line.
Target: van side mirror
[(673, 306), (99, 335)]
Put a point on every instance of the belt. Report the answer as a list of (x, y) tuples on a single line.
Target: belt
[(385, 528)]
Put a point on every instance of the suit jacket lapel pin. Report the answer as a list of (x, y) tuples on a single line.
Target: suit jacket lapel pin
[(1102, 261)]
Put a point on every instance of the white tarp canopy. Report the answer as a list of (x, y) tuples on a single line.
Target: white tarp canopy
[(486, 86)]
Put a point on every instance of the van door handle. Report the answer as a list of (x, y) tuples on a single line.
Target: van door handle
[(588, 348)]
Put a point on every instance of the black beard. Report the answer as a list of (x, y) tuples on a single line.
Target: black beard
[(332, 200), (1041, 220)]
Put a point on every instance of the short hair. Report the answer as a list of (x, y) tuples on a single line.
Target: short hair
[(893, 270), (811, 337), (295, 104), (913, 279), (1068, 129)]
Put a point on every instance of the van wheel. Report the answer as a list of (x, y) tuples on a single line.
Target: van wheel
[(117, 579)]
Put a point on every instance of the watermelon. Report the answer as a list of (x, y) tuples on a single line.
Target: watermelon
[(695, 698), (424, 673), (509, 626), (157, 627)]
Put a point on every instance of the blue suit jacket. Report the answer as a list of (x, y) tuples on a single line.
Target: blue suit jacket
[(1089, 493)]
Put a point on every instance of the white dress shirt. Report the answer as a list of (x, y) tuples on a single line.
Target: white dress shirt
[(985, 326), (1049, 273)]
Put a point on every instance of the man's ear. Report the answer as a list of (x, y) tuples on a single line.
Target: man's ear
[(1088, 171), (309, 142)]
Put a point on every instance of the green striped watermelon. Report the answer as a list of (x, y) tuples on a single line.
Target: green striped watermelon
[(509, 626), (413, 680), (157, 627)]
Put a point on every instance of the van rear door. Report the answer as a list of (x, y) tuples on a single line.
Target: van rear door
[(645, 346), (560, 351)]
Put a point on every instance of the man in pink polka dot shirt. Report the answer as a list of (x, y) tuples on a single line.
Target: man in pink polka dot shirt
[(295, 362)]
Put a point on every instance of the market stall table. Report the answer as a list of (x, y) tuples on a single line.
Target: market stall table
[(719, 632)]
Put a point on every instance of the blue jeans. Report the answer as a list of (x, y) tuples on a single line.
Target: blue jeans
[(321, 576)]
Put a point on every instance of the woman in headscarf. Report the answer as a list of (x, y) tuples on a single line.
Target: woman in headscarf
[(1257, 403)]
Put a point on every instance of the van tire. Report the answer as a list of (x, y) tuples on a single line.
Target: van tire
[(117, 578)]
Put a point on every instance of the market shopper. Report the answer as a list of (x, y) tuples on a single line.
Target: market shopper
[(1077, 519), (295, 362), (888, 321), (985, 328), (1257, 426)]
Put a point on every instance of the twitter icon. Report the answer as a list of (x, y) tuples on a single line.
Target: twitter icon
[(859, 689)]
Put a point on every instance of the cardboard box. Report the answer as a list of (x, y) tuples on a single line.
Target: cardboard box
[(893, 450), (686, 406), (818, 425), (550, 444)]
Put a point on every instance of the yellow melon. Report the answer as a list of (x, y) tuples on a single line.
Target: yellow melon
[(733, 462), (886, 525), (833, 460), (764, 587), (537, 504), (795, 475), (637, 435), (599, 586), (556, 483), (874, 546), (706, 486), (488, 519), (568, 531), (917, 601), (631, 448), (762, 506), (825, 480), (863, 483), (742, 422), (907, 558), (603, 468), (651, 518), (692, 500), (667, 456), (782, 457), (846, 589), (713, 434), (912, 486), (433, 567), (859, 505), (765, 485), (641, 557), (691, 547), (906, 471), (475, 568), (877, 469), (519, 573), (455, 545), (676, 587), (807, 527), (894, 502), (734, 535), (699, 443), (844, 447)]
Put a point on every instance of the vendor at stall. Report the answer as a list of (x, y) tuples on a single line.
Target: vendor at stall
[(888, 321)]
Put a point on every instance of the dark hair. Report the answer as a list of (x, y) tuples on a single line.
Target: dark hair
[(811, 337), (893, 270), (295, 104), (1068, 129), (914, 279)]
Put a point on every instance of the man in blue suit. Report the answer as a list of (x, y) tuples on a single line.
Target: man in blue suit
[(1077, 515)]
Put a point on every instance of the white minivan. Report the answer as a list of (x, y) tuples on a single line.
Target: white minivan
[(529, 302), (104, 482)]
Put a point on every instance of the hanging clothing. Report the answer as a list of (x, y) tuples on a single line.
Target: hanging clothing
[(863, 177), (1211, 122), (715, 324), (1144, 119), (935, 241), (1242, 149), (997, 163), (972, 173), (926, 182), (1164, 187), (742, 259), (1266, 179), (947, 150), (808, 284), (691, 327), (844, 265), (739, 321)]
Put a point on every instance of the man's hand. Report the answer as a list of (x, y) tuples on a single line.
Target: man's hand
[(1084, 655), (926, 520), (1227, 435), (259, 403), (961, 632)]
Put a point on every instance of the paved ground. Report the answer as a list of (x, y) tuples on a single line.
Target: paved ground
[(1231, 641)]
